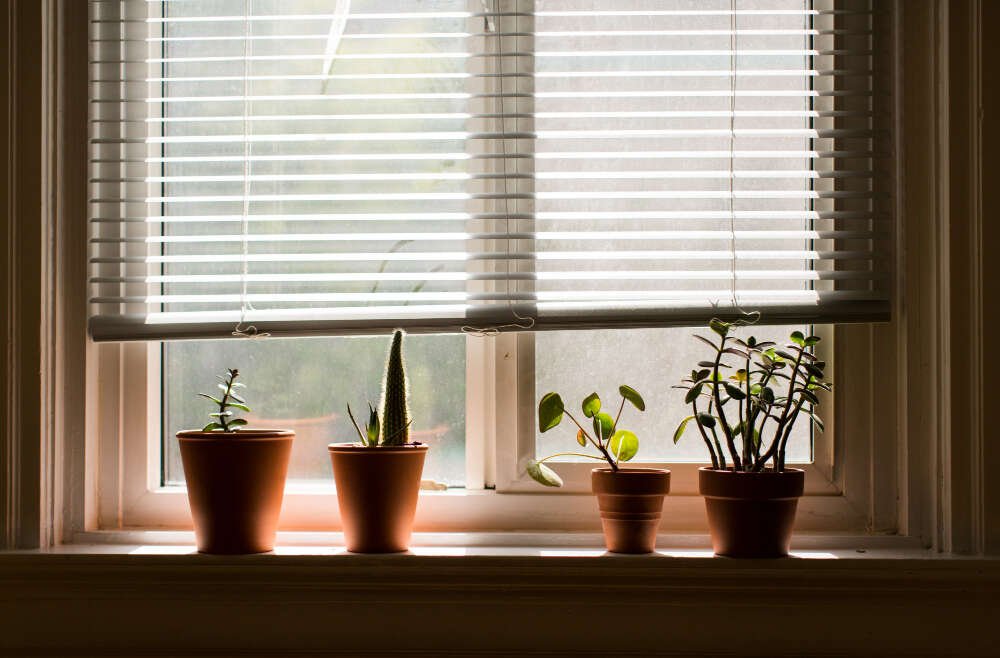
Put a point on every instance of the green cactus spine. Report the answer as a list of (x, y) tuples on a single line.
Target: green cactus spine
[(395, 415)]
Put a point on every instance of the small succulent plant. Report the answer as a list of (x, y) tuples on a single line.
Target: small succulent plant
[(224, 418), (394, 427), (613, 444), (769, 383)]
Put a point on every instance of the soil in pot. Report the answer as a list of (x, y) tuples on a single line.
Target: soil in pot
[(377, 491), (235, 483), (751, 514), (631, 503)]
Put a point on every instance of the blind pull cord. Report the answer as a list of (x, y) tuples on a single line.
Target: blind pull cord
[(242, 329), (749, 317), (521, 322)]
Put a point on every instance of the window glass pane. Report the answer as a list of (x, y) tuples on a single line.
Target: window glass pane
[(575, 364), (305, 384)]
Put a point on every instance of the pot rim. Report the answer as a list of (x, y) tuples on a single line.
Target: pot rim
[(355, 448), (740, 485), (630, 482), (767, 473), (243, 434), (637, 471)]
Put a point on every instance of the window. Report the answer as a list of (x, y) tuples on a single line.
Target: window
[(318, 171)]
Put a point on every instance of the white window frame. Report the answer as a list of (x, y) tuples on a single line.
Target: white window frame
[(843, 489)]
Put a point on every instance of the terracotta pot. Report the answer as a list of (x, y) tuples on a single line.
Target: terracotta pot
[(235, 483), (377, 490), (751, 514), (631, 502)]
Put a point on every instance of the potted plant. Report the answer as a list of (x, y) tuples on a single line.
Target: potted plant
[(378, 478), (630, 499), (235, 476), (751, 496)]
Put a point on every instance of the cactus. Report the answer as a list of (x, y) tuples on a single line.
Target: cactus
[(395, 414)]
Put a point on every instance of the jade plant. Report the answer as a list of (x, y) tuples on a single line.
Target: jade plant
[(747, 410), (393, 429), (613, 445), (224, 418)]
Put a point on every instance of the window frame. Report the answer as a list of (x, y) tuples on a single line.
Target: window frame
[(500, 437)]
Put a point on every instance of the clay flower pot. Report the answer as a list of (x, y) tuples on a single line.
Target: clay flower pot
[(235, 484), (631, 502), (751, 514), (377, 490)]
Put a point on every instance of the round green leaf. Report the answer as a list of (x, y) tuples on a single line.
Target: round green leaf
[(632, 396), (542, 474), (591, 405), (624, 445), (680, 429), (602, 425), (550, 411), (798, 338)]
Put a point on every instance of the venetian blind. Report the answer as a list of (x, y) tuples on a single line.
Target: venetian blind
[(348, 166)]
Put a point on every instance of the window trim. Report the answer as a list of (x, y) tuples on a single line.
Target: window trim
[(500, 437)]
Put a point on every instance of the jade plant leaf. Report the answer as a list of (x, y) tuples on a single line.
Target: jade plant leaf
[(591, 405), (624, 445), (209, 397), (542, 474), (632, 396), (706, 341), (734, 392), (581, 439), (550, 411), (693, 394), (707, 420), (816, 419), (719, 327), (679, 432), (211, 426)]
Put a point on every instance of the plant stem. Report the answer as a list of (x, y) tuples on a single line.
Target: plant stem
[(570, 454), (597, 444), (788, 401), (718, 406), (225, 399), (614, 425), (722, 455), (704, 435), (788, 433)]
